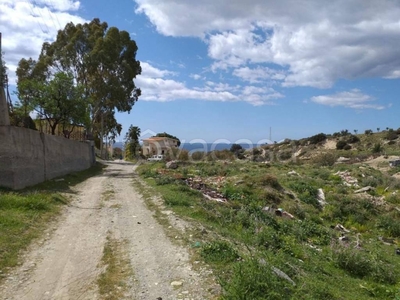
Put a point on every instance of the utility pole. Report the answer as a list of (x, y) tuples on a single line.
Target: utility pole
[(4, 116)]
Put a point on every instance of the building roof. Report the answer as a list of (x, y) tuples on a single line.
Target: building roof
[(156, 138)]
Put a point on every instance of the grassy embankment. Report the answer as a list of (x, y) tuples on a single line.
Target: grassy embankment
[(25, 214), (259, 255)]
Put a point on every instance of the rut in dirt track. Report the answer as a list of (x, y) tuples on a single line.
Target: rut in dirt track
[(66, 265)]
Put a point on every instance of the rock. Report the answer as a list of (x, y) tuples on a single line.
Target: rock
[(364, 189), (176, 283), (283, 275), (342, 159), (340, 227), (293, 173), (171, 165), (321, 197)]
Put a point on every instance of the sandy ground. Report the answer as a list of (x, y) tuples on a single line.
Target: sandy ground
[(66, 264)]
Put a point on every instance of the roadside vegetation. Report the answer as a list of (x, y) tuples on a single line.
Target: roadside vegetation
[(25, 214), (293, 227)]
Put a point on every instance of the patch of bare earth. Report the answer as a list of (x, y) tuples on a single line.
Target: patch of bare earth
[(68, 263)]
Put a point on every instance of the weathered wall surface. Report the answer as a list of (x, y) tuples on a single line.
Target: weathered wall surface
[(28, 157)]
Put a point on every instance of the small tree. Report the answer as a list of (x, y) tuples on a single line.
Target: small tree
[(132, 141), (378, 129), (368, 132), (355, 131)]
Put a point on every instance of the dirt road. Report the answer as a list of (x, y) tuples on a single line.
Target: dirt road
[(67, 263)]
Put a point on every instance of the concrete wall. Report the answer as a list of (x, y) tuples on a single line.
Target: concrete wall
[(28, 157)]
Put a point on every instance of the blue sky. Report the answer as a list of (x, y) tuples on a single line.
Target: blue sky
[(233, 69)]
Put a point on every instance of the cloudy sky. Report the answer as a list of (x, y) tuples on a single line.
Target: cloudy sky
[(233, 69)]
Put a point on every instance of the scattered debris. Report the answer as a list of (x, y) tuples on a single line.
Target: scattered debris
[(348, 180), (342, 159), (398, 251), (209, 193), (386, 241), (278, 212), (293, 172), (364, 189), (394, 163), (344, 238), (341, 228)]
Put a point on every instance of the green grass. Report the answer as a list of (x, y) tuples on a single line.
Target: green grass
[(113, 282), (244, 244), (24, 215)]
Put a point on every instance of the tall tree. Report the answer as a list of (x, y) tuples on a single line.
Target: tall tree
[(132, 141), (103, 61)]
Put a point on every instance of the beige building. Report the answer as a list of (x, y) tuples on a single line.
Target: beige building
[(158, 145)]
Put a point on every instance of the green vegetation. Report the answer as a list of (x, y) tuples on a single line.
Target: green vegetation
[(132, 142), (24, 215), (86, 90), (113, 281), (343, 248)]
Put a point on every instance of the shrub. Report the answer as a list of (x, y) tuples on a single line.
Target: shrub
[(235, 148), (318, 138), (368, 132), (341, 144), (325, 159), (198, 155), (377, 148), (391, 136), (270, 180), (353, 261), (353, 139), (347, 147)]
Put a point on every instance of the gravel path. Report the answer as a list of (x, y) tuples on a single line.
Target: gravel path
[(66, 264)]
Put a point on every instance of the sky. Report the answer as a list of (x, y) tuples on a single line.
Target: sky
[(239, 70)]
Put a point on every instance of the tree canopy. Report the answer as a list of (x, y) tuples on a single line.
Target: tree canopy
[(101, 61)]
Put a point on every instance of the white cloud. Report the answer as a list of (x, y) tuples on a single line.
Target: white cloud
[(195, 76), (317, 41), (157, 88), (259, 74), (351, 99), (25, 26)]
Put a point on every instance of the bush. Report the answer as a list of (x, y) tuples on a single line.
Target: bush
[(377, 148), (318, 138), (347, 147), (353, 139), (368, 132), (235, 148), (325, 159), (341, 144), (391, 136), (353, 261), (198, 155)]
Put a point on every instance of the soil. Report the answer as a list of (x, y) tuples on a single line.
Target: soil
[(67, 262)]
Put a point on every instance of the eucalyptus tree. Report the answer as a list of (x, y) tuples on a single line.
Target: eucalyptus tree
[(103, 61)]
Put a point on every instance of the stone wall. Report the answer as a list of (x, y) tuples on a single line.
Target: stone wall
[(28, 157)]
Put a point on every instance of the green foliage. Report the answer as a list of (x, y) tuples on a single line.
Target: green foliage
[(353, 139), (132, 141), (390, 224), (55, 98), (391, 135), (220, 252), (324, 159), (368, 132), (235, 148), (103, 61), (341, 144), (377, 148), (318, 138), (253, 279)]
